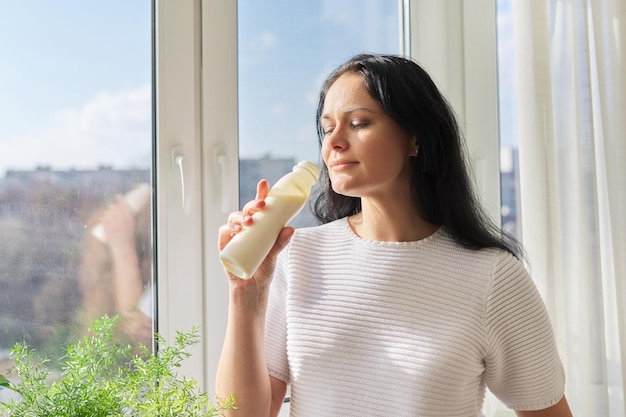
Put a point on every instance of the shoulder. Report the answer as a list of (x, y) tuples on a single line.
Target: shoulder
[(499, 266), (482, 263), (514, 298), (510, 275)]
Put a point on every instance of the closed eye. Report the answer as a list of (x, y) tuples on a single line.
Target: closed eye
[(359, 125)]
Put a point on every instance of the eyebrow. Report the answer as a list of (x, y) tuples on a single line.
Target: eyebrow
[(348, 111)]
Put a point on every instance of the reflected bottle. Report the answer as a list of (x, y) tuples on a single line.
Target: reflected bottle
[(136, 198), (243, 255)]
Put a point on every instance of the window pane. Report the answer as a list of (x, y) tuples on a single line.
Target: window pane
[(75, 131), (286, 49), (509, 173)]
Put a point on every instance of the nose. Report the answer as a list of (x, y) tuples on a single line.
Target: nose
[(337, 140)]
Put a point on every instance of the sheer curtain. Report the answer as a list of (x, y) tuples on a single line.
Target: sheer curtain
[(571, 89)]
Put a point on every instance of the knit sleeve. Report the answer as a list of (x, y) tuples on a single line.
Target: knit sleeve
[(522, 366), (276, 323)]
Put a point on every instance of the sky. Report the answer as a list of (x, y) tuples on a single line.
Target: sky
[(74, 83), (284, 58), (75, 76)]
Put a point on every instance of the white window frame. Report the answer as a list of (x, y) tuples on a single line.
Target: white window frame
[(179, 237), (220, 161), (196, 118)]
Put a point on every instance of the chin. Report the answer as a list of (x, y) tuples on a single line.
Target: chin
[(345, 188), (344, 192)]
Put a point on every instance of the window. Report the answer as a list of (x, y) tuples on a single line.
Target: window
[(235, 90), (508, 120), (75, 131), (286, 49)]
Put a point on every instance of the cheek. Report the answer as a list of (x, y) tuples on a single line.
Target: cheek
[(325, 153)]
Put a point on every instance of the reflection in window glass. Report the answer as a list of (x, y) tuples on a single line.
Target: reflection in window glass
[(286, 49), (75, 131)]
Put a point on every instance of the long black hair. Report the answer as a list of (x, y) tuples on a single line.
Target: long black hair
[(441, 188)]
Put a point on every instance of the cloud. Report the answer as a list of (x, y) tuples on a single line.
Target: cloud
[(342, 13), (256, 49), (111, 128), (264, 41), (279, 109)]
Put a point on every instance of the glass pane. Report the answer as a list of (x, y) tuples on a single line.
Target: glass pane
[(286, 49), (75, 131), (509, 173)]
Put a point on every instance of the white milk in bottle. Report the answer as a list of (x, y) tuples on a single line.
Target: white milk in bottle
[(243, 255)]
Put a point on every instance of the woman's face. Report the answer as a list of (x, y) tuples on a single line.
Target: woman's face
[(367, 153)]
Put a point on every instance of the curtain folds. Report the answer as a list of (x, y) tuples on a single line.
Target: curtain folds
[(571, 91)]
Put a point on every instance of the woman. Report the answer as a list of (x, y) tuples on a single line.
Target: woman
[(406, 301)]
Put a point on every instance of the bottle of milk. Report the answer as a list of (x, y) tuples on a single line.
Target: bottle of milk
[(243, 255)]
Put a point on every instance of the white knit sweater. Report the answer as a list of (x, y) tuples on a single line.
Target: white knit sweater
[(362, 328)]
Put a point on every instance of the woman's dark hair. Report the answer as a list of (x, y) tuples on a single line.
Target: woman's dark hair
[(440, 184)]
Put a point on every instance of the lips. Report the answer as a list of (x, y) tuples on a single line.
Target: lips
[(341, 164)]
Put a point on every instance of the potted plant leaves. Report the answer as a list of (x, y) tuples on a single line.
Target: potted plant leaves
[(102, 377)]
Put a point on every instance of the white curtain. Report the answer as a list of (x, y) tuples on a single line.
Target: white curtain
[(571, 88)]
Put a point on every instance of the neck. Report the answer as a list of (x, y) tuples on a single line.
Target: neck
[(390, 223)]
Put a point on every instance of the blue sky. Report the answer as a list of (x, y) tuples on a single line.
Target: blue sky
[(75, 76), (74, 82), (296, 47)]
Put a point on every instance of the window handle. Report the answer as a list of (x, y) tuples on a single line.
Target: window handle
[(179, 162)]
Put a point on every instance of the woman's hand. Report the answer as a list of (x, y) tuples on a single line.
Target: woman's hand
[(118, 221), (236, 221)]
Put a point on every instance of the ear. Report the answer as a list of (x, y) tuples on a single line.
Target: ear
[(414, 146)]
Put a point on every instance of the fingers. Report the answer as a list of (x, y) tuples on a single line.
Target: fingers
[(118, 221), (238, 219), (253, 206), (262, 189), (118, 209), (224, 235)]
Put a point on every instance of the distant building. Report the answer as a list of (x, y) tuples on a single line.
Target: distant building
[(509, 189), (103, 180), (271, 169), (253, 170)]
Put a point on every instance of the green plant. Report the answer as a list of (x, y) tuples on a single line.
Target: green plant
[(103, 378)]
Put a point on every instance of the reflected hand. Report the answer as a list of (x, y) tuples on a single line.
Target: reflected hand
[(118, 220)]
